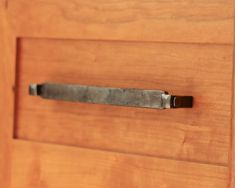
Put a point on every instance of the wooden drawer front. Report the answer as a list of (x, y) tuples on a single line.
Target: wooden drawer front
[(63, 167), (184, 47), (204, 21), (203, 71)]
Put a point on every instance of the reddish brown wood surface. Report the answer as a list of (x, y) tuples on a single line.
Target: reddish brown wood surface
[(232, 144), (232, 148), (192, 42), (199, 134), (7, 80), (205, 21), (66, 167)]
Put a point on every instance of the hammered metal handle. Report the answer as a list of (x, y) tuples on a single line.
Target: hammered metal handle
[(112, 96)]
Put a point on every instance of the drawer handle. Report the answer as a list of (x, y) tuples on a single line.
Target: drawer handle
[(113, 96)]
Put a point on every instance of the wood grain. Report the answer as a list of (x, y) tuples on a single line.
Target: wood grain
[(201, 21), (201, 134), (64, 167), (232, 140), (198, 134), (7, 79), (232, 148)]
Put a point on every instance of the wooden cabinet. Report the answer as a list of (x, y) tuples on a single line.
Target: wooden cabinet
[(184, 47)]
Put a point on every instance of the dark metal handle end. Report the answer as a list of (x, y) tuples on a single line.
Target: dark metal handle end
[(181, 102)]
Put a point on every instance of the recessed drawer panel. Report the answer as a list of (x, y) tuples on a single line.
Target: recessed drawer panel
[(198, 21), (197, 134)]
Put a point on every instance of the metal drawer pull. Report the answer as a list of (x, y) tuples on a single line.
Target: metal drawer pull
[(112, 96)]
